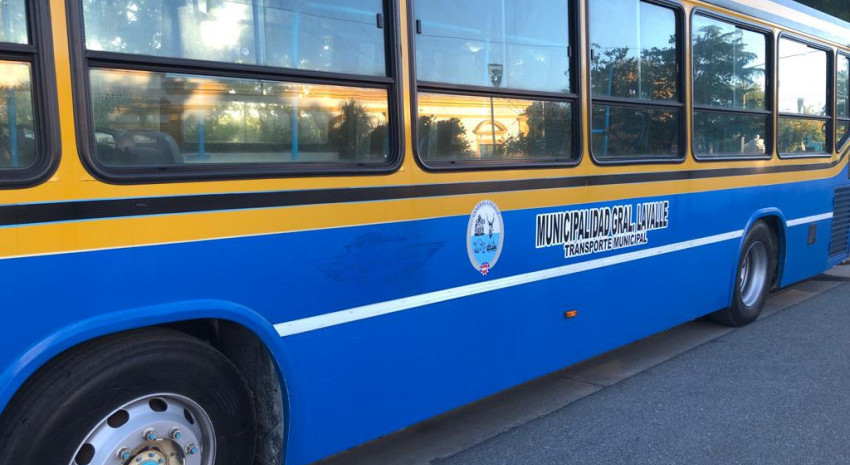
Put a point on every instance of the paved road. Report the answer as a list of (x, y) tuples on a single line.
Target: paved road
[(774, 392)]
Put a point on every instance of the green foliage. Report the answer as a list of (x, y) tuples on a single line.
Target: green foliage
[(443, 138), (549, 132), (724, 74), (349, 133)]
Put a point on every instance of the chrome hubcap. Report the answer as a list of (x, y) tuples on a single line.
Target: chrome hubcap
[(160, 429), (753, 276)]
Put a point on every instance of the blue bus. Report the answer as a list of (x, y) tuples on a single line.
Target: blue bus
[(265, 232)]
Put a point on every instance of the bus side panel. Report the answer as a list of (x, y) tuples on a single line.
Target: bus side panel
[(382, 374), (356, 381)]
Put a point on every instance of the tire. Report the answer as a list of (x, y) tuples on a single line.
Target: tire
[(754, 277), (117, 384)]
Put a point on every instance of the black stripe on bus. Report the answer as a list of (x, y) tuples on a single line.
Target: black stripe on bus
[(122, 208)]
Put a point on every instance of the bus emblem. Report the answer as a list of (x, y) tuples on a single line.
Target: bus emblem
[(485, 235)]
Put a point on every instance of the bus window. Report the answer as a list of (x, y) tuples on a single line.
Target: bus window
[(803, 109), (495, 83), (13, 14), (17, 129), (636, 108), (209, 120), (180, 116), (731, 112), (337, 36), (843, 98)]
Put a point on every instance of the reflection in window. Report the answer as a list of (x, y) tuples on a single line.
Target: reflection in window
[(843, 131), (803, 108), (843, 97), (633, 50), (717, 133), (17, 129), (322, 35), (729, 65), (455, 127), (634, 55), (798, 135), (843, 103), (730, 72), (520, 44), (802, 79), (150, 119), (340, 36), (13, 17), (626, 132)]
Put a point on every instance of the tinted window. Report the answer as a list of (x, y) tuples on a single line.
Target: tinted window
[(802, 79), (520, 44), (797, 135), (843, 128), (634, 55), (321, 35), (454, 127), (13, 14), (17, 128), (625, 132), (148, 119), (634, 51), (843, 110), (730, 65), (719, 134)]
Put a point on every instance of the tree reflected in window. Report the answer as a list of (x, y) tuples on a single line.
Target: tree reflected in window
[(731, 116), (634, 66), (804, 113), (146, 118), (843, 98), (509, 129)]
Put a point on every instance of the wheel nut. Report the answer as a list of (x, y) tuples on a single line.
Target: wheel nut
[(191, 449), (176, 434), (150, 435), (124, 454)]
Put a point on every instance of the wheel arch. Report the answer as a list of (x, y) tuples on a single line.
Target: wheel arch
[(776, 221), (231, 328)]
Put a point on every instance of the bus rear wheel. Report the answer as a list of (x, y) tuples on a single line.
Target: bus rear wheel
[(149, 397), (754, 278)]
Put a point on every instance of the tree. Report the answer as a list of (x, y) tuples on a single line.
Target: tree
[(649, 74), (349, 132), (549, 132), (442, 138), (727, 76)]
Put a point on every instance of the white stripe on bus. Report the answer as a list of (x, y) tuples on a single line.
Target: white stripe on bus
[(350, 315), (808, 219)]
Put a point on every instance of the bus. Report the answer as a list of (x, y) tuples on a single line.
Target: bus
[(267, 231)]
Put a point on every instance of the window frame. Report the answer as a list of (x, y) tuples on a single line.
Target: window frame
[(38, 53), (840, 142), (770, 89), (681, 51), (574, 98), (85, 60), (830, 98)]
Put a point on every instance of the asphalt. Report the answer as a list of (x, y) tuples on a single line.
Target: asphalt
[(774, 392)]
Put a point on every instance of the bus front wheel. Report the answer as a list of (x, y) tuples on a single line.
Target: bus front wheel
[(754, 278), (153, 396)]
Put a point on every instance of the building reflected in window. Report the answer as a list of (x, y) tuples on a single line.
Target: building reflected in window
[(462, 127)]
